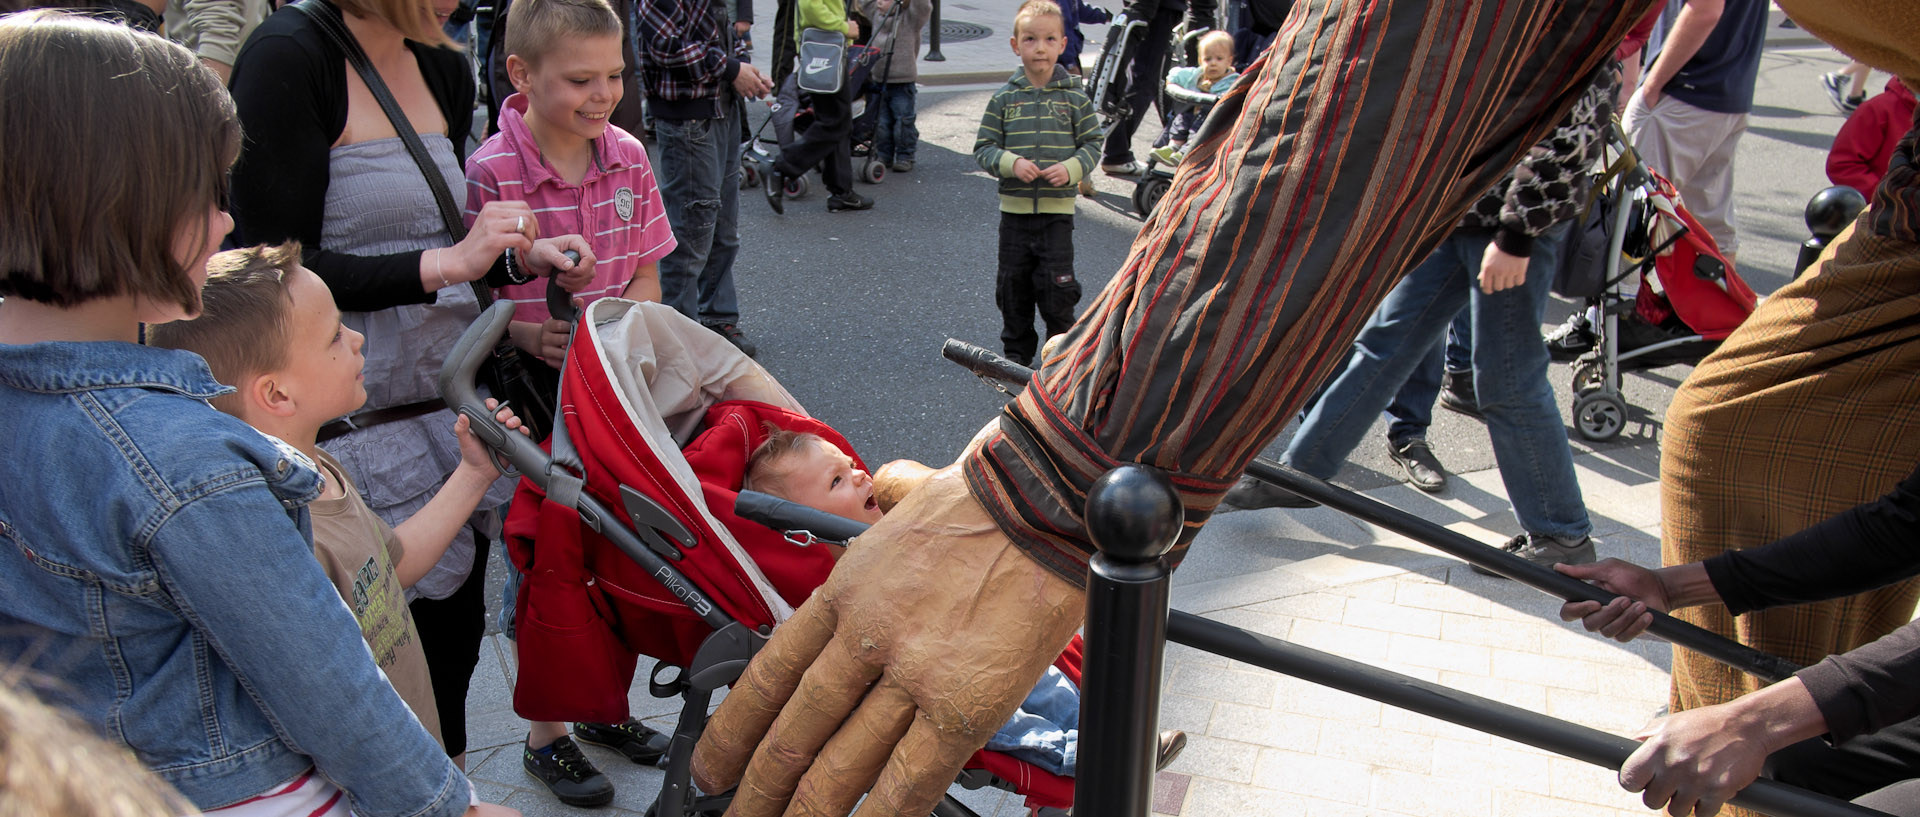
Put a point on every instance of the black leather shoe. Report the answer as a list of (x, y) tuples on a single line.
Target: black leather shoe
[(776, 191), (1457, 394), (1250, 494), (567, 773), (848, 201), (1423, 468)]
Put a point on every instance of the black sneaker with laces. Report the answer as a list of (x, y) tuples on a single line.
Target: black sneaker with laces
[(567, 773), (736, 337), (1568, 341), (1457, 394), (1423, 468), (640, 744), (849, 200), (1545, 551)]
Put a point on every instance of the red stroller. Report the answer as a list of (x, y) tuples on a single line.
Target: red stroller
[(628, 539), (1689, 297)]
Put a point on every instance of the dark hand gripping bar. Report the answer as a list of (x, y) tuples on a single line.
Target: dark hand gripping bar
[(1734, 654)]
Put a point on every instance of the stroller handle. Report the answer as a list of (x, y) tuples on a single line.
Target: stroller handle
[(984, 362), (463, 364), (793, 517)]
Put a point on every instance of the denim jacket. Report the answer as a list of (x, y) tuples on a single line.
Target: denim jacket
[(156, 569)]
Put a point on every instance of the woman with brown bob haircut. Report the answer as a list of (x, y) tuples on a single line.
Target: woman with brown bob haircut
[(323, 165), (153, 554)]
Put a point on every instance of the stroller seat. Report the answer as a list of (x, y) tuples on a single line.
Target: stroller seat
[(658, 416)]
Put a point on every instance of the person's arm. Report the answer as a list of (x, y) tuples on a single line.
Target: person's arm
[(989, 145), (1548, 186), (1862, 548), (1694, 761), (1690, 30), (218, 26), (427, 533), (1860, 142), (285, 635), (645, 285)]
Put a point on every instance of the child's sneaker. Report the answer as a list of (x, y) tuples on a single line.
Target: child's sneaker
[(640, 744), (1169, 155), (567, 773)]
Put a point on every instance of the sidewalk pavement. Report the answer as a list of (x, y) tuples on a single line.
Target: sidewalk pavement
[(1263, 745)]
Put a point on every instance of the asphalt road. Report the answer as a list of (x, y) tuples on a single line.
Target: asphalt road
[(850, 309)]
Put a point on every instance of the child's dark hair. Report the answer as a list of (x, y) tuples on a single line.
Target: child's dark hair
[(244, 323), (763, 472), (536, 27), (112, 142)]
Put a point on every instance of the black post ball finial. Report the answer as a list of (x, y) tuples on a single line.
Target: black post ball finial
[(1832, 209), (1134, 514)]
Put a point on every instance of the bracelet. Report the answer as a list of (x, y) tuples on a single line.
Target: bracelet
[(516, 274), (440, 269)]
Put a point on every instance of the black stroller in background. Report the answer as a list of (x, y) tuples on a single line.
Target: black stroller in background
[(792, 111)]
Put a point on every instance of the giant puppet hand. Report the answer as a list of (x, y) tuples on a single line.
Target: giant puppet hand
[(927, 636)]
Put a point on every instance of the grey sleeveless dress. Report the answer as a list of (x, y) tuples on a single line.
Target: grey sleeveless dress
[(378, 204)]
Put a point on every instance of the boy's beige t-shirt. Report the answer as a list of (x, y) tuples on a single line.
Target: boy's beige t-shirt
[(358, 550)]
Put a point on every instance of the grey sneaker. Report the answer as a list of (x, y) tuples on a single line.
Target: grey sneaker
[(1423, 468), (1545, 551)]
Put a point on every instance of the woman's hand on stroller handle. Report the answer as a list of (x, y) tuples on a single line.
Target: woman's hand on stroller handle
[(865, 693)]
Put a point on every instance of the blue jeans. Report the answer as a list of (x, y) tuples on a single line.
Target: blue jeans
[(1411, 411), (894, 134), (699, 174), (1509, 377), (1045, 730)]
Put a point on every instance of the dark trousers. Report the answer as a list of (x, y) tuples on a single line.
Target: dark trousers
[(450, 633), (1855, 768), (1036, 272), (824, 141), (1143, 84)]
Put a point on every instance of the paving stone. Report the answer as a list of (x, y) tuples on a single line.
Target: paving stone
[(1253, 688), (1170, 792), (1570, 779), (1358, 643), (1553, 672), (1310, 775), (1496, 767), (1439, 654), (1217, 759), (1439, 596), (1214, 798), (1394, 790), (1390, 617), (1319, 606), (1303, 698), (1378, 747), (1265, 727), (1483, 631), (1248, 619), (1185, 712), (1605, 714), (1527, 804)]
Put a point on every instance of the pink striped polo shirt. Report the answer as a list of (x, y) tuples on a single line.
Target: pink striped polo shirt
[(617, 207)]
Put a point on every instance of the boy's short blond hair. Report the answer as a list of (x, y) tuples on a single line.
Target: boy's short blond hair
[(1216, 38), (536, 27), (764, 467), (1033, 9), (89, 209), (244, 324)]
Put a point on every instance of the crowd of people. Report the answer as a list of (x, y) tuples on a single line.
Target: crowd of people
[(271, 412)]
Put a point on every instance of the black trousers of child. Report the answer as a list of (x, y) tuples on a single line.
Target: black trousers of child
[(824, 141), (1036, 272)]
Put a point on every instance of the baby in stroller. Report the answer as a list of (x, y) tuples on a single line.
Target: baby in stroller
[(1194, 89), (807, 469)]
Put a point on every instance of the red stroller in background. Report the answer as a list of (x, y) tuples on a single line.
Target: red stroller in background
[(1688, 296), (628, 538)]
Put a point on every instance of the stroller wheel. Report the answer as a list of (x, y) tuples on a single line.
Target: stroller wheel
[(796, 187), (872, 172), (1148, 193), (1599, 416), (749, 177)]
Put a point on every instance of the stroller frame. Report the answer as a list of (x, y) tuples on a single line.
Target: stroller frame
[(1599, 406)]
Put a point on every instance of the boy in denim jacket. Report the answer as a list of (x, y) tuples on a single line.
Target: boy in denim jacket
[(1040, 137)]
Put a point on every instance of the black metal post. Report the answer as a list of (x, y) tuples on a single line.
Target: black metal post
[(1133, 516), (933, 35), (1828, 212)]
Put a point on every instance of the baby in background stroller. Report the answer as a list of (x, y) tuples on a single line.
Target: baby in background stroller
[(807, 469), (1191, 91)]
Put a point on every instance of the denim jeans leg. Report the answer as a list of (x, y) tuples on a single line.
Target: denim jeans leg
[(1411, 411), (1460, 341), (1412, 317), (719, 303), (884, 125), (1510, 378), (690, 188), (906, 129)]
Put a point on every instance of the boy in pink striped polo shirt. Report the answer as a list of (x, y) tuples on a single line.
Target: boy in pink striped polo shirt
[(557, 152)]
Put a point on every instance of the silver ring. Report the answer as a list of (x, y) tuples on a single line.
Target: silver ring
[(520, 224)]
